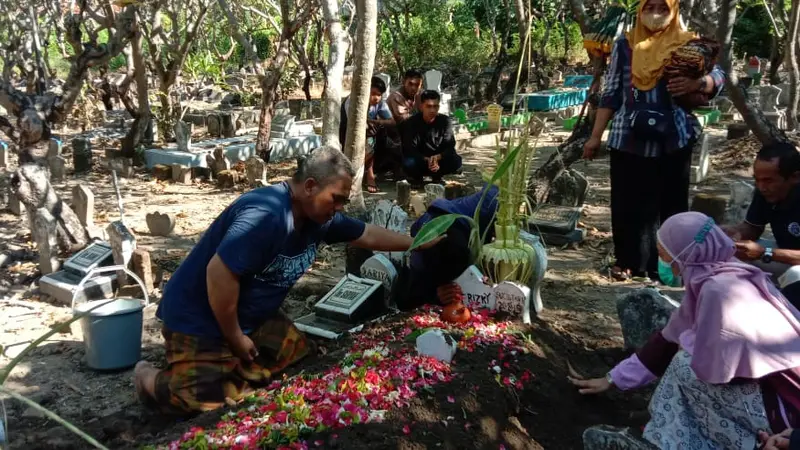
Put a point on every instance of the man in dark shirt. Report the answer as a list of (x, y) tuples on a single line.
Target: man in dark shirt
[(429, 146), (222, 325), (776, 202)]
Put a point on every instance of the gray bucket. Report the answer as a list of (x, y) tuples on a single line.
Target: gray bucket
[(112, 328)]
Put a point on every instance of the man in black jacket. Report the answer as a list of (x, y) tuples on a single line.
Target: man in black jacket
[(429, 146)]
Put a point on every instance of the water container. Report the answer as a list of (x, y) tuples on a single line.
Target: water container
[(112, 328)]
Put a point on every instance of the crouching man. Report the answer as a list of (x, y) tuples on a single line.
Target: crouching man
[(223, 330)]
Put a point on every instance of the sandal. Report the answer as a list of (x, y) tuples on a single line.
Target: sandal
[(372, 188), (617, 274)]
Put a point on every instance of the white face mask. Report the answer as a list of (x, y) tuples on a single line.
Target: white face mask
[(656, 21)]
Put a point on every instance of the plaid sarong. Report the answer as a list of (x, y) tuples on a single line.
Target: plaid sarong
[(202, 372)]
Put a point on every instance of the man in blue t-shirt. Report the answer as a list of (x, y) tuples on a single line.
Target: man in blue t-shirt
[(222, 326)]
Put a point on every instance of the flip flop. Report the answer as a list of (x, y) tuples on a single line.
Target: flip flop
[(372, 188), (617, 274)]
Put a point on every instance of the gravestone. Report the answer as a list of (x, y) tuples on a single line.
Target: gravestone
[(183, 135), (642, 313), (784, 97), (160, 224), (737, 131), (513, 298), (403, 194), (539, 271), (3, 154), (558, 76), (58, 167), (432, 80), (46, 238), (181, 174), (221, 161), (83, 204), (54, 147), (81, 155), (495, 117), (432, 192), (227, 179), (162, 172), (569, 189), (380, 268), (213, 125), (418, 206), (14, 203), (769, 105), (143, 268), (227, 125), (256, 171), (123, 243), (477, 294), (701, 160), (62, 285), (392, 217), (741, 195)]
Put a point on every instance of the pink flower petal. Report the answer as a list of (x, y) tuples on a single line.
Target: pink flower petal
[(451, 399), (406, 429)]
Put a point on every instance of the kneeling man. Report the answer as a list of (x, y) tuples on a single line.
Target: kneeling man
[(223, 330)]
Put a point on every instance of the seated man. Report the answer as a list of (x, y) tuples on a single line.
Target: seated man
[(432, 271), (429, 146), (776, 202), (223, 329), (378, 118), (405, 101)]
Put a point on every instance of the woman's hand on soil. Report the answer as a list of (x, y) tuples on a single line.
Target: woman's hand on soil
[(590, 147), (592, 386), (775, 442), (681, 86)]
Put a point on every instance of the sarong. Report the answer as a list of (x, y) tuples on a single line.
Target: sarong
[(202, 372)]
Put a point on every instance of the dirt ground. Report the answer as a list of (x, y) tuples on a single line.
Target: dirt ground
[(579, 325)]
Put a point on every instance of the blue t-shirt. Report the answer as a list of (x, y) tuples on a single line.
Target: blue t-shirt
[(256, 238)]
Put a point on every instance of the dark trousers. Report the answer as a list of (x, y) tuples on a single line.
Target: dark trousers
[(644, 193), (416, 167)]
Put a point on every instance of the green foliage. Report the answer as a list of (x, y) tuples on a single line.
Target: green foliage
[(752, 34)]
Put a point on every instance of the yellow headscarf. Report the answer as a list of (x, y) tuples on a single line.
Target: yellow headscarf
[(652, 51)]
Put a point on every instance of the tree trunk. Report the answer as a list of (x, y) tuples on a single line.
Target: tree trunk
[(142, 117), (334, 75), (249, 48), (764, 130), (364, 54), (794, 68)]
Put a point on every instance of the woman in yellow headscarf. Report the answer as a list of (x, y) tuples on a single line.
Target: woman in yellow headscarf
[(652, 70)]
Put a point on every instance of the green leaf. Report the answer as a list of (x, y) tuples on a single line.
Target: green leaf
[(434, 229)]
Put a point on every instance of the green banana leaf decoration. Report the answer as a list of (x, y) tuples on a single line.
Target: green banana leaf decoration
[(617, 19)]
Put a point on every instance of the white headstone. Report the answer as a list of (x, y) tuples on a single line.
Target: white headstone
[(494, 117), (436, 344), (512, 298), (83, 204), (477, 294), (432, 80), (123, 243), (390, 216), (380, 268)]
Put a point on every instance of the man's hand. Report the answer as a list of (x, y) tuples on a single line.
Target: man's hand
[(433, 163), (749, 250), (449, 293), (590, 147), (243, 347), (681, 86), (732, 232), (775, 442)]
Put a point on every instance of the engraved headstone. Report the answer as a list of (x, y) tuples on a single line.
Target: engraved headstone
[(512, 298), (83, 204), (432, 80), (44, 233), (347, 301), (227, 125), (390, 216), (3, 154), (741, 195), (477, 294), (123, 243), (58, 167), (54, 147), (380, 268), (256, 171), (432, 192), (495, 115), (701, 160), (81, 155)]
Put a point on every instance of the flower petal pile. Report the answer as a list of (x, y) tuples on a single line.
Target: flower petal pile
[(379, 373)]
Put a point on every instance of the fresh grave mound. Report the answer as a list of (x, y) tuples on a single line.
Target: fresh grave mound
[(506, 388)]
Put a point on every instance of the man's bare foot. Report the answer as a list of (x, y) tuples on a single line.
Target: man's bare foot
[(144, 379)]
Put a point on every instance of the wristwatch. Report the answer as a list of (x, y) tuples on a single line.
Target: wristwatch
[(609, 379), (767, 256)]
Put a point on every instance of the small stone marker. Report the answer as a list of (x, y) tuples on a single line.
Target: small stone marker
[(418, 205), (183, 135), (45, 235), (81, 155), (123, 243), (162, 172), (738, 130), (54, 148), (495, 114), (741, 195), (390, 216), (213, 125), (3, 154), (227, 179), (160, 224), (454, 189), (380, 268), (513, 298), (221, 162), (477, 294), (432, 192), (403, 188), (227, 125), (642, 313), (143, 268), (83, 204), (14, 203), (181, 174), (58, 167), (701, 161), (256, 171), (436, 344)]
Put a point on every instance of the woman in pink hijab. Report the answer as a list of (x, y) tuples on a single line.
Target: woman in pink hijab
[(728, 358)]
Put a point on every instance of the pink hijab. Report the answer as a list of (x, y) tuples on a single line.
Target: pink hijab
[(732, 320)]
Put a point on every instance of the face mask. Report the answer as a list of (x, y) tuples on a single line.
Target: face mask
[(666, 274), (655, 22)]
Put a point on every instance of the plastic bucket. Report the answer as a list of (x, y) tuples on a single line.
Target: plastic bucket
[(112, 328)]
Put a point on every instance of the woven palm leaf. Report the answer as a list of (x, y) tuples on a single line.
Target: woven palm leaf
[(605, 31)]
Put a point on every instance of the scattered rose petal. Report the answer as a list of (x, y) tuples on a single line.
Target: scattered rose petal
[(451, 399), (406, 429)]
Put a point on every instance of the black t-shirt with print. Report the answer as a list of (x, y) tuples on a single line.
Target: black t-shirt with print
[(783, 218)]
